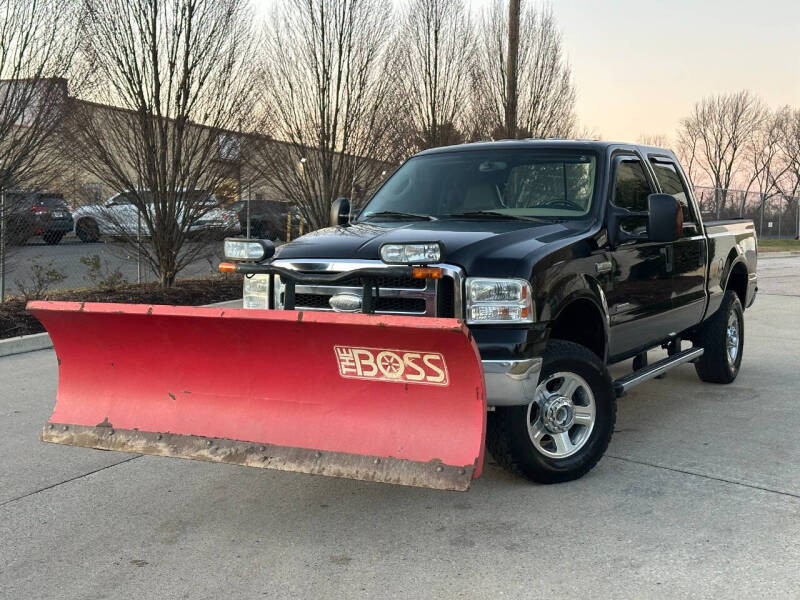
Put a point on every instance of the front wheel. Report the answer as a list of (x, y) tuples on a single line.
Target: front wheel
[(722, 340), (564, 432)]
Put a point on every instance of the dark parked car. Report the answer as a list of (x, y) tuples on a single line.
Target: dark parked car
[(267, 217), (37, 213)]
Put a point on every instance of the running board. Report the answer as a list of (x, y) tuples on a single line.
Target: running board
[(623, 384)]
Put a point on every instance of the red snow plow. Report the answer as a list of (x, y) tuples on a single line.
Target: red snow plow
[(379, 398)]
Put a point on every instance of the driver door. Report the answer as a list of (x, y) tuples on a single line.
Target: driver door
[(638, 292)]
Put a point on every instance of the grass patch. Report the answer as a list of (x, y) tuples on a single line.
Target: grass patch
[(15, 320), (778, 245)]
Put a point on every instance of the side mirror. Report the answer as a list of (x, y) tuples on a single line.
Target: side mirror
[(340, 212), (665, 218)]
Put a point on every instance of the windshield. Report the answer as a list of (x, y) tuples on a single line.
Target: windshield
[(498, 183)]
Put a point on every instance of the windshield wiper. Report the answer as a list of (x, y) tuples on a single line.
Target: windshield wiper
[(390, 214), (493, 214)]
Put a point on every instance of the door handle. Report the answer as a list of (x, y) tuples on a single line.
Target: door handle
[(668, 253)]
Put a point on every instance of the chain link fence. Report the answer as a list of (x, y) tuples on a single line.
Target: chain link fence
[(775, 215), (42, 250)]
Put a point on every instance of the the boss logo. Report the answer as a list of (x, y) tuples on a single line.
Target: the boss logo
[(402, 366)]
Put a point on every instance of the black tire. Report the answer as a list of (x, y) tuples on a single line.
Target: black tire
[(87, 230), (507, 436), (718, 365), (52, 238)]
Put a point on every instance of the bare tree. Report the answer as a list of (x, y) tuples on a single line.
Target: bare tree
[(789, 141), (763, 158), (37, 46), (658, 140), (546, 101), (325, 101), (687, 150), (173, 81), (435, 47), (718, 129)]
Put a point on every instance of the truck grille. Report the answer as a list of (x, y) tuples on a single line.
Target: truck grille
[(399, 296)]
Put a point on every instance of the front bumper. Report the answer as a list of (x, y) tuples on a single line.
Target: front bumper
[(511, 382), (510, 356)]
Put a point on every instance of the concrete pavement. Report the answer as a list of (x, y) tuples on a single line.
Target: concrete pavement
[(698, 496)]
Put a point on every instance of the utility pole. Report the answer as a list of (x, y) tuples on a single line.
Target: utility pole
[(511, 68)]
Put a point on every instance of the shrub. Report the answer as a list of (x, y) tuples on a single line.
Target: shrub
[(99, 275), (42, 278)]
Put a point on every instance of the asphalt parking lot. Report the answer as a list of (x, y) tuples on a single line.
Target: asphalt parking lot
[(66, 258), (698, 496)]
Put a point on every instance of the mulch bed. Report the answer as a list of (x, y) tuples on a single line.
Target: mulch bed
[(14, 320)]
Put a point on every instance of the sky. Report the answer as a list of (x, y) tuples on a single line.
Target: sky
[(640, 65)]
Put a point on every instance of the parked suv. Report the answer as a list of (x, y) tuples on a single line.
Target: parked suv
[(267, 217), (37, 213)]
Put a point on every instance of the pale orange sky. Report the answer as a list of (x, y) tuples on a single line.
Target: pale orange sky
[(639, 65)]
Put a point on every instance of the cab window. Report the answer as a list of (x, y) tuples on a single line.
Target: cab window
[(631, 189), (671, 183)]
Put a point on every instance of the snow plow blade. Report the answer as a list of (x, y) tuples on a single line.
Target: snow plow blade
[(372, 397)]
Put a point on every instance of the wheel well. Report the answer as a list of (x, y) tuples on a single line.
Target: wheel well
[(737, 281), (581, 322)]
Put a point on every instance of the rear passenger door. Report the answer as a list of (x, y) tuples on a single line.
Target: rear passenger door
[(687, 262), (639, 293)]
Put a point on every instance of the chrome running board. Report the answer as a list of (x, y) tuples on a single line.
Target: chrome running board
[(623, 384)]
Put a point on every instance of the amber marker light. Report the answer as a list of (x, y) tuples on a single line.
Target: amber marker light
[(427, 273), (227, 267)]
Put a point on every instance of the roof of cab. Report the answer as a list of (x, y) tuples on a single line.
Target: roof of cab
[(548, 143)]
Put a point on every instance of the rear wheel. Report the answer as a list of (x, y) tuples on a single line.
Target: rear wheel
[(562, 434), (52, 238), (87, 230), (722, 339)]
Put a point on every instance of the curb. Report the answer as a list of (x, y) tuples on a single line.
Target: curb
[(41, 341), (25, 343), (779, 254)]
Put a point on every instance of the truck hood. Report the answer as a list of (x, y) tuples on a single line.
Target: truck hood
[(476, 246)]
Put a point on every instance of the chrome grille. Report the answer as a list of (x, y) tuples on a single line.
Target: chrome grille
[(397, 296)]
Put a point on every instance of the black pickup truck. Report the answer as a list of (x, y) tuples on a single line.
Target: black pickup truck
[(563, 257)]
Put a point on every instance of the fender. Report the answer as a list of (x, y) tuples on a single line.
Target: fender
[(570, 289), (719, 273)]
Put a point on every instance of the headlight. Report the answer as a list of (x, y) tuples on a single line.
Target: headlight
[(411, 254), (249, 250), (255, 292), (499, 300)]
